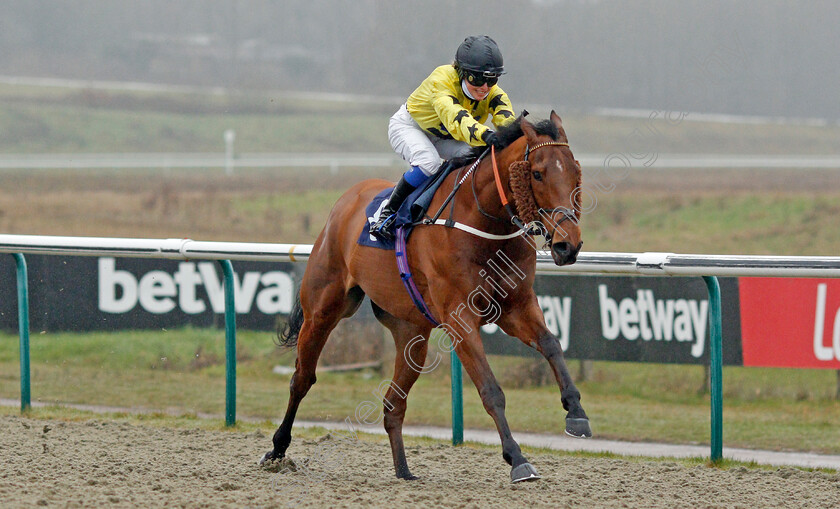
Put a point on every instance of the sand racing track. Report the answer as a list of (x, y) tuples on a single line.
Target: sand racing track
[(116, 464)]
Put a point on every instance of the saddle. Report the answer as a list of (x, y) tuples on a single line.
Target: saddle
[(411, 212)]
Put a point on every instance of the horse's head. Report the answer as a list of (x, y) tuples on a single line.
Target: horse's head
[(553, 175)]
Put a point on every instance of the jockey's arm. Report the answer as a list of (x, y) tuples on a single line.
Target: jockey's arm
[(457, 120), (501, 108)]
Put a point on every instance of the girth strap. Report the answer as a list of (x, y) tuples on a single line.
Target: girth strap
[(476, 231), (407, 279)]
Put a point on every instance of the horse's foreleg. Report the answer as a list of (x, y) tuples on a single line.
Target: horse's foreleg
[(528, 325), (577, 422), (471, 353)]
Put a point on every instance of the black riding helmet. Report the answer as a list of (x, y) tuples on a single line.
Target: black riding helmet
[(479, 61)]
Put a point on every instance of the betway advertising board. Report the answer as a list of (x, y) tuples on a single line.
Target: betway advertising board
[(641, 319), (83, 293), (766, 321)]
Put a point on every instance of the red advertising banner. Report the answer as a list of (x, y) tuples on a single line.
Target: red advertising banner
[(788, 322)]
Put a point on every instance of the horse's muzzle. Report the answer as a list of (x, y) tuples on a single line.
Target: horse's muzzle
[(564, 253)]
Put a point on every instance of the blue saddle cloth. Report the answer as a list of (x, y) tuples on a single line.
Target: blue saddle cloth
[(411, 211)]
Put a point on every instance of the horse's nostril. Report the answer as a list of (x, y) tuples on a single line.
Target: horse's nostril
[(564, 253), (561, 248)]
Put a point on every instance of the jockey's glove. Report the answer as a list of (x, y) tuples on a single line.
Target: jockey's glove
[(490, 138)]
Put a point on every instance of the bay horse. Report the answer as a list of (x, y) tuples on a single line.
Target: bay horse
[(451, 269)]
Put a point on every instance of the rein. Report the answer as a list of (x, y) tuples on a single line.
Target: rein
[(461, 180)]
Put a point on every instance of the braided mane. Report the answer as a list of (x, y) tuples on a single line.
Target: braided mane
[(523, 195)]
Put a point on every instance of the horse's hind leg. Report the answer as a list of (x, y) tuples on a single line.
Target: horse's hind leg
[(411, 345), (323, 307)]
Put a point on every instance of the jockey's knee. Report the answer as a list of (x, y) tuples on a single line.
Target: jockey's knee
[(429, 164)]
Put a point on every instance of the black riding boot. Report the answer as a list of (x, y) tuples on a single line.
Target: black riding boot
[(382, 226)]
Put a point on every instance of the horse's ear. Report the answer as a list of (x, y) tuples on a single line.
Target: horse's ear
[(528, 129), (555, 119)]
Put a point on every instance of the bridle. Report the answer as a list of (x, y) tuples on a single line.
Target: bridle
[(534, 227), (529, 149)]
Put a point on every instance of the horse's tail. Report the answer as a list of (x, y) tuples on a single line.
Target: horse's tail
[(288, 336)]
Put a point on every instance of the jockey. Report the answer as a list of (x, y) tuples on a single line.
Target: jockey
[(444, 118)]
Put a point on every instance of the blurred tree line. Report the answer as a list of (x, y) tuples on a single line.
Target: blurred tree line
[(756, 57)]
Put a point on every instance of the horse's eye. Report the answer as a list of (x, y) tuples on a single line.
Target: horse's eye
[(538, 176)]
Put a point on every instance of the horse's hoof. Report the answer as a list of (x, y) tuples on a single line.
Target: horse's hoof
[(578, 427), (524, 472), (405, 474), (267, 458)]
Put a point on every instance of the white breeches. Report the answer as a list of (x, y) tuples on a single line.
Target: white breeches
[(420, 148)]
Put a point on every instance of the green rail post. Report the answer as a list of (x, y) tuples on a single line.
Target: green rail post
[(230, 344), (23, 327), (715, 367), (457, 400)]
